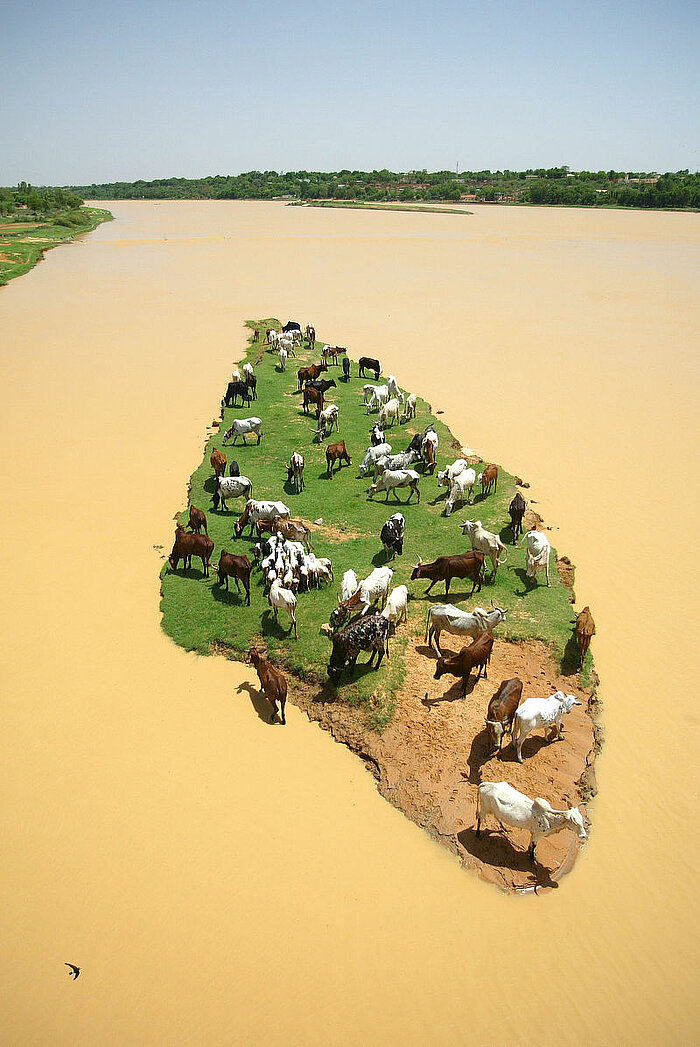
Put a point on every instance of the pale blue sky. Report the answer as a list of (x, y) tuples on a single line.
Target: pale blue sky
[(93, 92)]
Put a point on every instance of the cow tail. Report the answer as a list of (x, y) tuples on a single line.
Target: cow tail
[(505, 550), (427, 624)]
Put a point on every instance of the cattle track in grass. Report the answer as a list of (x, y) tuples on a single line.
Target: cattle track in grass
[(419, 749)]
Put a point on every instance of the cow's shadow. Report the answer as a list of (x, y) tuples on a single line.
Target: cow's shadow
[(210, 484), (189, 572), (571, 659), (380, 559), (452, 694), (528, 583), (228, 596), (270, 627), (259, 703), (495, 848), (480, 752), (452, 597), (531, 746)]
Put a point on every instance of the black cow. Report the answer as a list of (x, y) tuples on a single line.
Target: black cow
[(251, 381), (290, 326), (516, 511), (234, 389), (321, 384), (369, 634), (346, 368), (366, 363), (233, 469)]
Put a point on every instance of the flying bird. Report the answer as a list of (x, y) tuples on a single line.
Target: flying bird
[(74, 971)]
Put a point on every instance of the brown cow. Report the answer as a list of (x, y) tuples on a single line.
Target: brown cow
[(313, 396), (334, 351), (197, 521), (236, 567), (310, 373), (272, 682), (501, 710), (337, 453), (188, 545), (489, 479), (476, 656), (585, 629), (445, 568), (218, 463)]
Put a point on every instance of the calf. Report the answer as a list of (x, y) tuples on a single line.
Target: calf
[(295, 472), (236, 567), (445, 568), (370, 634), (283, 599), (516, 511), (409, 410), (366, 363), (234, 468), (273, 683), (188, 545), (488, 479), (218, 463), (197, 521), (313, 396), (337, 453), (346, 369), (395, 608), (585, 629), (476, 656), (392, 537), (501, 710)]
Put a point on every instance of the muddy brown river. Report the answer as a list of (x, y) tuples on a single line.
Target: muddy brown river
[(220, 882)]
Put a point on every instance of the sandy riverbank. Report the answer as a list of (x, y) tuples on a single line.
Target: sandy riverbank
[(219, 881)]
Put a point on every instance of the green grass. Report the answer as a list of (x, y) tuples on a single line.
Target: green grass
[(17, 256), (202, 617)]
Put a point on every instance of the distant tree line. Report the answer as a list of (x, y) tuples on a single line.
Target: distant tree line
[(61, 206), (554, 185)]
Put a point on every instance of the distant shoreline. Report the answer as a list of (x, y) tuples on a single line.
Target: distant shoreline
[(23, 244), (359, 206)]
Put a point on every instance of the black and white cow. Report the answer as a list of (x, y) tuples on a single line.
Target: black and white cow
[(392, 536), (369, 634)]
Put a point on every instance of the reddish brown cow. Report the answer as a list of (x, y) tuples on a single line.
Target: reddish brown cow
[(476, 656), (218, 463), (489, 479), (585, 629), (310, 373), (236, 567), (445, 568), (188, 545), (313, 396), (198, 520), (501, 710), (272, 682), (337, 453)]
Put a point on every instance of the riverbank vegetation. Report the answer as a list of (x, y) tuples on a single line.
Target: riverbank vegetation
[(34, 220), (554, 185)]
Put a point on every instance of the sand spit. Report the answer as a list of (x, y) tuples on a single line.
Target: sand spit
[(221, 881)]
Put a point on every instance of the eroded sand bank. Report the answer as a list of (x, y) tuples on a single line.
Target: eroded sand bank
[(220, 881)]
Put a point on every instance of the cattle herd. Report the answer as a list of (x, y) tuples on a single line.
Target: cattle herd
[(283, 554)]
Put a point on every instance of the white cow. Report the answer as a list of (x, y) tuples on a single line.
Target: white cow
[(282, 356), (231, 487), (348, 586), (537, 553), (243, 426), (403, 460), (392, 479), (409, 410), (255, 510), (378, 397), (446, 618), (509, 807), (236, 374), (461, 490), (393, 388), (395, 608), (485, 542), (391, 409), (541, 712), (326, 420), (371, 589), (247, 372), (447, 477), (281, 599), (372, 457)]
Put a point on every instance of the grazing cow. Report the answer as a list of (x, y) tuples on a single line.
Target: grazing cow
[(516, 511), (371, 589), (346, 369), (501, 710), (585, 629), (337, 453), (392, 536), (461, 490), (236, 567), (234, 468), (537, 553), (273, 683), (476, 656), (259, 510), (409, 410), (236, 375), (218, 462), (366, 363), (197, 521), (393, 479), (252, 383), (247, 371), (327, 418), (243, 426), (348, 585), (234, 389), (373, 455), (448, 476), (485, 542), (291, 530), (488, 479), (313, 396), (541, 712), (281, 599), (509, 807), (290, 327), (376, 435), (446, 618), (188, 545), (394, 388), (395, 608), (445, 568), (322, 385), (371, 634), (282, 356), (403, 460), (295, 472), (377, 398), (231, 487), (310, 373), (390, 410), (311, 335)]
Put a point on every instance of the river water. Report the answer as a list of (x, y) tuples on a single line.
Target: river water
[(222, 882)]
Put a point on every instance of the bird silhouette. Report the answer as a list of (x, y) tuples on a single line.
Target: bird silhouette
[(74, 971)]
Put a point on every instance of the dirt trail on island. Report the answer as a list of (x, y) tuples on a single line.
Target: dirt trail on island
[(220, 881)]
